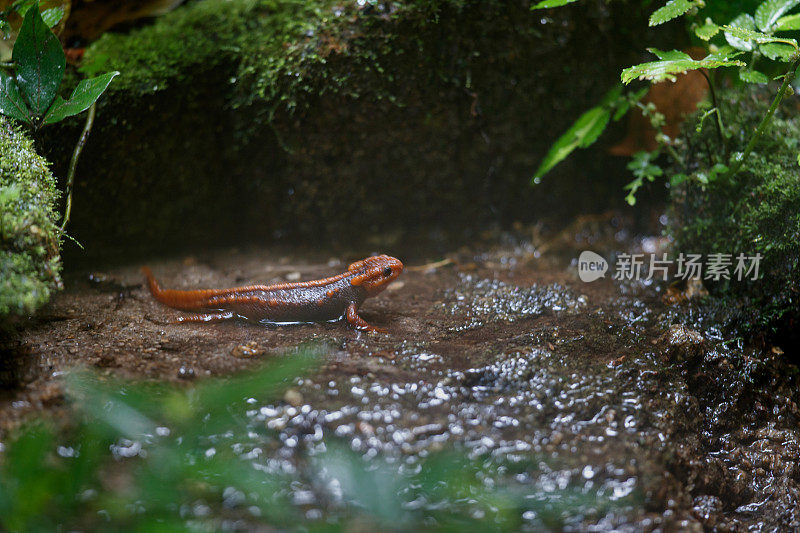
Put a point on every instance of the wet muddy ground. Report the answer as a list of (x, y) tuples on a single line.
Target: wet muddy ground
[(620, 410)]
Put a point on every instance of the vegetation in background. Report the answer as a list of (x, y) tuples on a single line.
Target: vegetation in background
[(755, 212), (30, 93), (752, 43), (733, 172)]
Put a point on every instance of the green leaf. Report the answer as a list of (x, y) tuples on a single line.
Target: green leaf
[(52, 16), (26, 483), (753, 76), (623, 105), (673, 9), (718, 171), (85, 94), (643, 168), (587, 128), (707, 30), (777, 51), (768, 13), (672, 55), (612, 97), (751, 36), (656, 71), (215, 397), (372, 487), (545, 4), (40, 62), (11, 102), (622, 109), (583, 133), (21, 6), (724, 53), (746, 22), (104, 407), (592, 130), (633, 186), (788, 23), (134, 409), (677, 179)]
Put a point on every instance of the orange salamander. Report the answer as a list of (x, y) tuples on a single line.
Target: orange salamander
[(327, 299)]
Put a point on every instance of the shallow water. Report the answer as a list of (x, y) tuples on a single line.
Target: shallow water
[(604, 407)]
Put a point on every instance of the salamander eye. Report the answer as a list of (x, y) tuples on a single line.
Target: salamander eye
[(387, 272)]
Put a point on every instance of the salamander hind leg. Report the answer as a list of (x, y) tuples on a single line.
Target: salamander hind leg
[(359, 323), (205, 317)]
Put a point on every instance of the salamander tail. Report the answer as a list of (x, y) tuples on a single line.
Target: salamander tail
[(151, 282), (186, 300)]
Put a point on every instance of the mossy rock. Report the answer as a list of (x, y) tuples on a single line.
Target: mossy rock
[(246, 120), (755, 212), (29, 238)]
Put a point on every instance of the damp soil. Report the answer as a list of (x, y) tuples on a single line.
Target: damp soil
[(498, 349)]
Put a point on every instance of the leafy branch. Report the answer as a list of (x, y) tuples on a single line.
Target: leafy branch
[(672, 10), (672, 64), (547, 4), (747, 38), (643, 168), (29, 90), (586, 130)]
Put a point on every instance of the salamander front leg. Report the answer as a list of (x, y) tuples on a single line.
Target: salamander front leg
[(357, 322), (205, 317)]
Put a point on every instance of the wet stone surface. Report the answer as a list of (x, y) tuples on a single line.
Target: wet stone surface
[(607, 408)]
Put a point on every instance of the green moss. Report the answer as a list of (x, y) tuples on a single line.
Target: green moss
[(756, 212), (29, 239), (261, 37)]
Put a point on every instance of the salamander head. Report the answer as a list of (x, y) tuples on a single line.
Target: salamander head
[(375, 273)]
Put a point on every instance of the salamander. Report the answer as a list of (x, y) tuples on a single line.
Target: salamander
[(329, 299)]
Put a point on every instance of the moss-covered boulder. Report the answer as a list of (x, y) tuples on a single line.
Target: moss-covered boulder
[(251, 119), (29, 238), (755, 212)]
